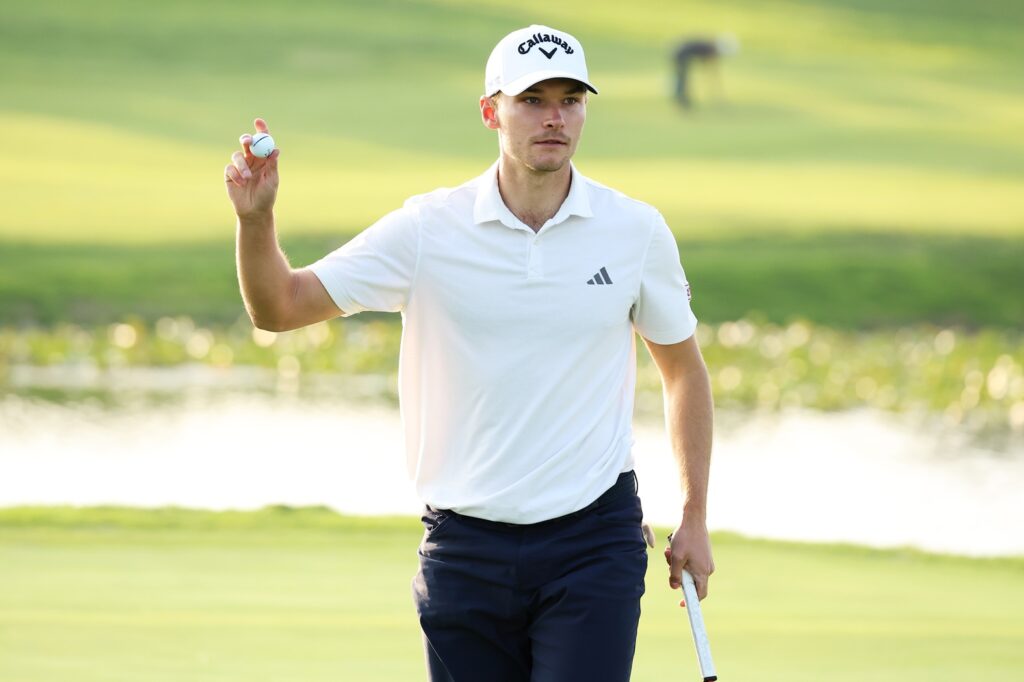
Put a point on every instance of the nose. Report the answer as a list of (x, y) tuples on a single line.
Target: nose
[(554, 118)]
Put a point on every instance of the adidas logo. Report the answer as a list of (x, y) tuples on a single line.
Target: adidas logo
[(600, 278)]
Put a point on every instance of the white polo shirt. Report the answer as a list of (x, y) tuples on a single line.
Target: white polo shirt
[(517, 367)]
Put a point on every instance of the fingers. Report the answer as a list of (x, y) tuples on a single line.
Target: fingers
[(675, 571), (676, 563), (690, 550), (700, 579), (246, 139), (239, 163), (701, 583), (243, 164), (675, 574), (232, 175)]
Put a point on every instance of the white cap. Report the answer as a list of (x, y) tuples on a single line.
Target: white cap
[(531, 55)]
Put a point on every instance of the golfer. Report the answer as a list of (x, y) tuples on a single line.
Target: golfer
[(520, 293)]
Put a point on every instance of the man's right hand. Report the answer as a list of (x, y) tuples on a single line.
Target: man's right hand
[(252, 181)]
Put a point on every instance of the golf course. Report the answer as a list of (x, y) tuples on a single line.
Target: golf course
[(860, 166), (305, 594), (847, 198)]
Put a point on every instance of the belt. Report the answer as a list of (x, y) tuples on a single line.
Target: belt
[(625, 484)]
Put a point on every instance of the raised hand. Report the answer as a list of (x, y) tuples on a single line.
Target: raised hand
[(251, 181)]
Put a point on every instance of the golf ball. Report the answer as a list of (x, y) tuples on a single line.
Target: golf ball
[(262, 145)]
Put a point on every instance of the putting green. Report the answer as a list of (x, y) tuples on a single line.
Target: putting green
[(285, 594)]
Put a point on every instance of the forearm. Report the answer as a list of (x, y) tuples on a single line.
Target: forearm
[(689, 416), (264, 275)]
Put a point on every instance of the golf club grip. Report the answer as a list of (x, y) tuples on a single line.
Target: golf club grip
[(700, 635)]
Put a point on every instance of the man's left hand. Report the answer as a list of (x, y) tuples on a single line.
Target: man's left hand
[(690, 549)]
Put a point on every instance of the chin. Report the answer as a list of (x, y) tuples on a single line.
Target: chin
[(549, 165)]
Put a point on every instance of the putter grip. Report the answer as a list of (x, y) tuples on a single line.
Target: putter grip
[(700, 635)]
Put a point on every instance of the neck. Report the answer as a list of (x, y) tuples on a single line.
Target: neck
[(533, 196)]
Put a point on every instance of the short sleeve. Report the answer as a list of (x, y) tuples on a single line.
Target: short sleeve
[(375, 270), (662, 311)]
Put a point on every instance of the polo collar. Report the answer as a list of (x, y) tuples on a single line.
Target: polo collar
[(489, 206)]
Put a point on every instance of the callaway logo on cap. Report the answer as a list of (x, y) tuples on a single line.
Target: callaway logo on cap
[(531, 55)]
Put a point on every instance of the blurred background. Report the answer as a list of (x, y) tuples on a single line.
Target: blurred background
[(185, 497)]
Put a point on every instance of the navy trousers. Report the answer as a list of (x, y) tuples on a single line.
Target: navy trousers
[(555, 601)]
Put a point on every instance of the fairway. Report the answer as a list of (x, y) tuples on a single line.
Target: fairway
[(285, 594), (839, 129)]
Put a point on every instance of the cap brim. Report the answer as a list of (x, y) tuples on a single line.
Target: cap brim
[(523, 82)]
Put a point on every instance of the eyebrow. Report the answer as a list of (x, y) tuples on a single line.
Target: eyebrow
[(571, 90)]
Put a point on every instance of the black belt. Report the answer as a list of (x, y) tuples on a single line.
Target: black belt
[(625, 484)]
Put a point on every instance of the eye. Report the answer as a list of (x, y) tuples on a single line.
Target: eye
[(531, 100), (572, 100)]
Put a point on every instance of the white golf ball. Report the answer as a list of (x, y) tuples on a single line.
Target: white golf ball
[(262, 145)]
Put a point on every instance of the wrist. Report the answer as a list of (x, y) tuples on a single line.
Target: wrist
[(256, 220), (695, 513)]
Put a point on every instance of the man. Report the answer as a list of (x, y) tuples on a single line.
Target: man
[(701, 50), (519, 292)]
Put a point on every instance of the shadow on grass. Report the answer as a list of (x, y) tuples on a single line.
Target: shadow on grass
[(855, 280), (846, 280)]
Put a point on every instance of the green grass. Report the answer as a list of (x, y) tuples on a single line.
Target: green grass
[(846, 280), (284, 594), (863, 167)]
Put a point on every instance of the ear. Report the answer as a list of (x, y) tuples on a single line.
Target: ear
[(489, 113)]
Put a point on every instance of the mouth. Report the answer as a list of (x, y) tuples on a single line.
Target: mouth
[(552, 143)]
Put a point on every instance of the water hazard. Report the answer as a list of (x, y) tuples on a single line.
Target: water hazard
[(861, 476)]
